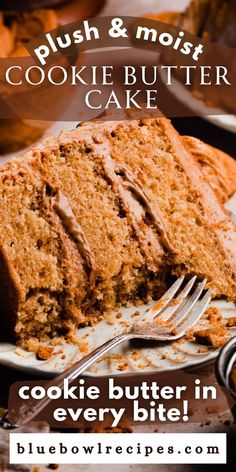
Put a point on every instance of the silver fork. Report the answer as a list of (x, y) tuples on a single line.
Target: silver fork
[(167, 320)]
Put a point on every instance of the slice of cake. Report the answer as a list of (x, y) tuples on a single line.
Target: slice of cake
[(104, 216), (212, 21)]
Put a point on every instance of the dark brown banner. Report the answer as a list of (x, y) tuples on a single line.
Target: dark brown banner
[(157, 398), (86, 69)]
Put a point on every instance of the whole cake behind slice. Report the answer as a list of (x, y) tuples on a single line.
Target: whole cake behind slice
[(103, 216)]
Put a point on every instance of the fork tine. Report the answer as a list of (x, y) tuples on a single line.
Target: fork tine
[(183, 311), (197, 312), (166, 298), (186, 316), (165, 316)]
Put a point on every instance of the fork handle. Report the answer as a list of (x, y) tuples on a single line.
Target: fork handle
[(80, 366), (24, 412)]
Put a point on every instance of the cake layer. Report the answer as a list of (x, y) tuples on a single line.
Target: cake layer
[(38, 260), (104, 216)]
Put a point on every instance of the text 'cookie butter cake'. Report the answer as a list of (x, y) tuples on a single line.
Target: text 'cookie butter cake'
[(100, 217)]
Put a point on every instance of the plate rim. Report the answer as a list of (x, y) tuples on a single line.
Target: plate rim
[(199, 107)]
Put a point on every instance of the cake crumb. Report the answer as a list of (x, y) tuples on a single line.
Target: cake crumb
[(58, 341), (174, 332), (189, 335), (53, 466), (44, 353), (119, 315), (231, 322), (122, 366), (214, 315), (211, 336), (144, 366), (162, 323), (217, 334), (124, 323), (110, 318), (136, 355), (83, 347)]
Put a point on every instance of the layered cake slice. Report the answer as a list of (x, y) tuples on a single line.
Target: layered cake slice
[(104, 216)]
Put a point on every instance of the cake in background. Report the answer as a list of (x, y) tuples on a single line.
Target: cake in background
[(16, 28), (20, 22), (212, 21)]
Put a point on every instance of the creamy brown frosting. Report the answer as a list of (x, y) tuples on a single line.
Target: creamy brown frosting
[(98, 137), (135, 202), (209, 157), (132, 206), (211, 161), (136, 205), (131, 183), (62, 207)]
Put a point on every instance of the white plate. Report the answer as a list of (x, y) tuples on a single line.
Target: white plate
[(127, 358)]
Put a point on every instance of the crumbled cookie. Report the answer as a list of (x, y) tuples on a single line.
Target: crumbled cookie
[(214, 315), (211, 336), (231, 322), (44, 352)]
